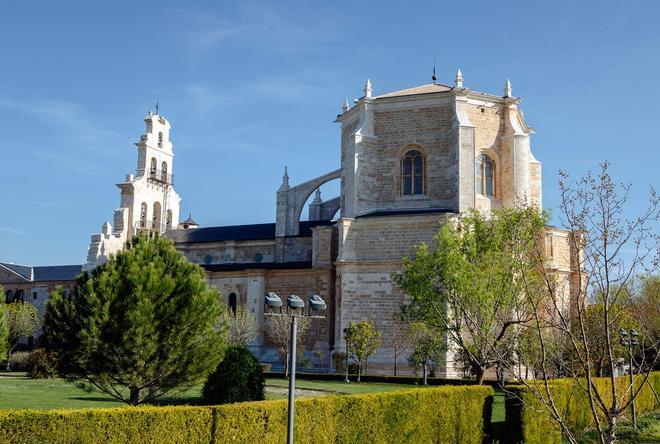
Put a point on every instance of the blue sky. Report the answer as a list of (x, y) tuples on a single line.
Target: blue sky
[(252, 86)]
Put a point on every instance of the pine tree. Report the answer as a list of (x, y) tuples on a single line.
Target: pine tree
[(138, 326)]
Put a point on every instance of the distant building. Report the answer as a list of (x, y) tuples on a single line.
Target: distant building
[(410, 161)]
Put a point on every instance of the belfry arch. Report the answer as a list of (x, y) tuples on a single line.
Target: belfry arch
[(291, 202)]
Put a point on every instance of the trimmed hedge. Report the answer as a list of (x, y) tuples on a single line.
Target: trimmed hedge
[(389, 379), (528, 421), (442, 414)]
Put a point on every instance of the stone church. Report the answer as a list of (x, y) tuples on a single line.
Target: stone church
[(410, 160)]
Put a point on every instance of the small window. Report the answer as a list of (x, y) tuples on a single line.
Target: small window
[(485, 175), (154, 165), (143, 215), (9, 296), (412, 168), (160, 139), (35, 295), (232, 302), (163, 172)]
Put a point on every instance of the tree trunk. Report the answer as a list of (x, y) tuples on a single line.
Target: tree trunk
[(611, 430), (480, 371), (286, 366), (394, 365), (359, 369), (424, 372), (135, 396)]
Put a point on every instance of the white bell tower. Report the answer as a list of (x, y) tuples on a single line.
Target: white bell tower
[(148, 201)]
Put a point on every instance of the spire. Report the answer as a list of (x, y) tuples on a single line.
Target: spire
[(367, 89), (458, 81), (345, 107), (285, 180), (507, 88), (433, 77), (317, 196)]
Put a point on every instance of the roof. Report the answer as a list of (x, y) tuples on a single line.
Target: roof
[(403, 212), (45, 273), (238, 232), (423, 89), (190, 220), (57, 273), (24, 271), (258, 266)]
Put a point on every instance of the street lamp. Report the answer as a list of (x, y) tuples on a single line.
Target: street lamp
[(295, 309), (629, 340)]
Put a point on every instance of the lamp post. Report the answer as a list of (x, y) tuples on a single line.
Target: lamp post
[(346, 340), (295, 308), (629, 340)]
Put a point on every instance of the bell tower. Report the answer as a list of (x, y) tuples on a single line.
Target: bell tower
[(148, 201)]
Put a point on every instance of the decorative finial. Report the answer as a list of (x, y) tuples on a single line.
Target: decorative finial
[(345, 106), (367, 89), (433, 77), (317, 196), (157, 104), (285, 180), (507, 88), (458, 82)]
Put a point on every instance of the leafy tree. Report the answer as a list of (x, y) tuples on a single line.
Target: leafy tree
[(363, 341), (278, 329), (4, 329), (138, 326), (469, 286), (238, 378), (242, 325), (22, 320), (427, 346)]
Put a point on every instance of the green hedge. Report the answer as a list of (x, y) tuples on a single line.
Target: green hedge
[(442, 414), (527, 420)]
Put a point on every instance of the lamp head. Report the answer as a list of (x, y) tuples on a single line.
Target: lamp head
[(272, 300), (316, 302), (294, 302)]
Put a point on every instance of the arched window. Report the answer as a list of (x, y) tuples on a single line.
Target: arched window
[(412, 168), (485, 175), (232, 302), (143, 215), (156, 217), (163, 171), (8, 296), (19, 296), (154, 165), (160, 139)]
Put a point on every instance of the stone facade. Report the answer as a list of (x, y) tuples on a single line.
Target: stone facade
[(410, 161), (148, 200)]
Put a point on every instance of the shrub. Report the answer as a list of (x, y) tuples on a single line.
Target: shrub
[(18, 361), (439, 415), (238, 378), (526, 421), (41, 364)]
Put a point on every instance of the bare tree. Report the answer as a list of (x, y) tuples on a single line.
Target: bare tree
[(399, 339), (278, 329), (242, 325), (609, 251)]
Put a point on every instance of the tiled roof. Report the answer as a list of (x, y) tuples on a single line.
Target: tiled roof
[(45, 273), (423, 89), (57, 273), (23, 270), (237, 232)]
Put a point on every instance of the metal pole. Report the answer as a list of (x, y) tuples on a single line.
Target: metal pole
[(347, 380), (632, 386), (292, 378)]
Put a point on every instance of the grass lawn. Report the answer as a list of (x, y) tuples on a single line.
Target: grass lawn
[(19, 392)]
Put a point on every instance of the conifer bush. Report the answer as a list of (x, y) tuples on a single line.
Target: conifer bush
[(238, 378)]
